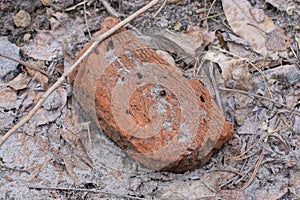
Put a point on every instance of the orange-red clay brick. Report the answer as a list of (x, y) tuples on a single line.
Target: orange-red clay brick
[(161, 119)]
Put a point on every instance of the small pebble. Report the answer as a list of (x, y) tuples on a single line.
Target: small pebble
[(26, 37), (22, 19), (178, 26), (172, 1), (46, 2), (162, 23)]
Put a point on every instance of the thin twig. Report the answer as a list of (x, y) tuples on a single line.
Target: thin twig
[(14, 169), (245, 157), (115, 13), (84, 190), (27, 65), (261, 97), (210, 8), (85, 18), (110, 9), (215, 86), (261, 157), (161, 7), (250, 63), (97, 41), (239, 157), (293, 191), (39, 167), (75, 6), (212, 16)]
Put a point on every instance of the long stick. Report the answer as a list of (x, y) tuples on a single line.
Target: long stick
[(98, 40)]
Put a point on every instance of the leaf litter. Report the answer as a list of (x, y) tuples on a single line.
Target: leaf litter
[(255, 27), (262, 126)]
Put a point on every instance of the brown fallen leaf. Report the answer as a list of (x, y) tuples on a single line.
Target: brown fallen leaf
[(38, 76), (43, 117), (255, 27), (52, 109), (187, 46), (20, 82), (276, 40), (77, 146), (8, 98), (233, 194), (241, 51), (288, 6), (69, 163), (235, 72), (72, 137), (67, 30), (228, 37), (44, 46), (238, 46), (271, 192)]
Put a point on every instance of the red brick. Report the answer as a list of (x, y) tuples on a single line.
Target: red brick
[(160, 118)]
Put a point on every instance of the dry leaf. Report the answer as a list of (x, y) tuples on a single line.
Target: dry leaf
[(296, 125), (69, 164), (291, 72), (57, 100), (228, 37), (255, 27), (72, 137), (188, 46), (8, 98), (235, 72), (43, 117), (276, 40), (20, 82), (67, 30), (233, 194), (271, 192), (289, 6), (77, 147), (52, 109), (28, 100), (44, 46), (38, 76), (241, 51)]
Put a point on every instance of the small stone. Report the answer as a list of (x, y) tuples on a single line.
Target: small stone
[(163, 23), (46, 2), (172, 1), (22, 19), (26, 37), (177, 26)]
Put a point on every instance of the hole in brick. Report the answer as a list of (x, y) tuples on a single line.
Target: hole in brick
[(202, 99), (127, 112), (139, 75), (163, 93), (110, 46)]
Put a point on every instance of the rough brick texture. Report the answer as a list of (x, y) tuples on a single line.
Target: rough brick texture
[(158, 117)]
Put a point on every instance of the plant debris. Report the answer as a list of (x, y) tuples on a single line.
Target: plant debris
[(246, 53)]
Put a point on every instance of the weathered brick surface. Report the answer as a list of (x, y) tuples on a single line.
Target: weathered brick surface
[(158, 117)]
